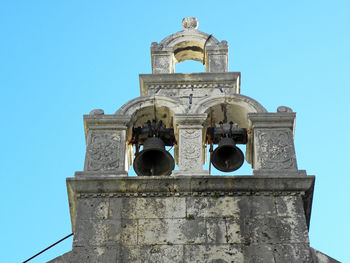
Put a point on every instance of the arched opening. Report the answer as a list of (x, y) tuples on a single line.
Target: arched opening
[(186, 50), (189, 66)]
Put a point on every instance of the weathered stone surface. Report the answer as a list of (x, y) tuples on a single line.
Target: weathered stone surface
[(171, 231), (106, 145), (258, 253), (96, 208), (319, 257), (190, 216), (213, 253), (213, 206), (197, 84), (293, 253), (189, 130), (150, 207), (153, 254)]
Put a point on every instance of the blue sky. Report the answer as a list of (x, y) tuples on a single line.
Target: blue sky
[(61, 59)]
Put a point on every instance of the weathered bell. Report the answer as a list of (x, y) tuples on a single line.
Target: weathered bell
[(153, 159), (227, 157)]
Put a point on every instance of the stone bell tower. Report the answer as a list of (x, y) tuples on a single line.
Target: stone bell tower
[(182, 213)]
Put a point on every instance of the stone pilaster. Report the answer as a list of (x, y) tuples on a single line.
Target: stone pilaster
[(216, 57), (106, 153), (190, 148), (162, 60), (273, 152)]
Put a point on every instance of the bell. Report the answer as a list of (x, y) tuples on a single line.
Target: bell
[(153, 159), (227, 157)]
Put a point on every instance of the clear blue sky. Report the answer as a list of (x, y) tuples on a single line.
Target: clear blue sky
[(61, 59)]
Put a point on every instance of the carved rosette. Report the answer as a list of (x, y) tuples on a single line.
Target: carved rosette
[(190, 149), (275, 149), (102, 152)]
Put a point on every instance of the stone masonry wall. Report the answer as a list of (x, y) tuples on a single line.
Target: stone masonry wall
[(195, 226)]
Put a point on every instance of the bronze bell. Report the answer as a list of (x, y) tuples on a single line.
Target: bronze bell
[(153, 159), (227, 157)]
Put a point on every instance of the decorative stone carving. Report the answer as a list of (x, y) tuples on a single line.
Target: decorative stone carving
[(190, 23), (272, 144), (191, 149), (198, 84), (106, 151), (276, 149), (189, 134), (103, 151)]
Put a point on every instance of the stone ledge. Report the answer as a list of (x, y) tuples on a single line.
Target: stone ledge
[(191, 81), (196, 185)]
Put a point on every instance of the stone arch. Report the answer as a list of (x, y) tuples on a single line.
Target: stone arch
[(189, 44), (229, 108), (144, 108)]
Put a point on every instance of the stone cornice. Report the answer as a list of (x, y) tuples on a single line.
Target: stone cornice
[(272, 120), (177, 186), (150, 83), (105, 122)]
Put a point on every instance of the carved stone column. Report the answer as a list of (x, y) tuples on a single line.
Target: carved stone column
[(106, 153), (191, 151), (273, 152)]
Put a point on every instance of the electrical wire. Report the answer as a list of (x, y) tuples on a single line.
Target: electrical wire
[(54, 244)]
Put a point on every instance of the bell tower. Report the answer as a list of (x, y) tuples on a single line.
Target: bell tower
[(174, 210)]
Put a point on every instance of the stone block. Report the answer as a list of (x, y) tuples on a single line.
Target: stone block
[(129, 232), (155, 207), (260, 230), (92, 208), (217, 63), (171, 231), (105, 232), (292, 230), (290, 206), (216, 231), (115, 208), (274, 230), (259, 253), (213, 253), (91, 232), (252, 206), (153, 254), (213, 206), (93, 254), (292, 253), (233, 230)]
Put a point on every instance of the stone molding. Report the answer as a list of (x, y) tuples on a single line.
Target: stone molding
[(273, 120), (195, 194), (180, 186), (134, 105), (198, 84)]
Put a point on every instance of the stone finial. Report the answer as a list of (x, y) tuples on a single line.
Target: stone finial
[(190, 23), (97, 112), (284, 109)]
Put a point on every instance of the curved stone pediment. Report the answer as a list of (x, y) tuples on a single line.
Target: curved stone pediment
[(189, 44)]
